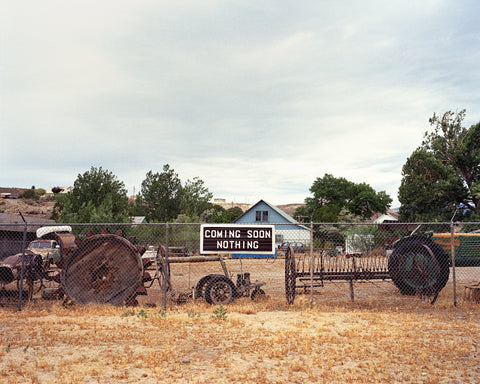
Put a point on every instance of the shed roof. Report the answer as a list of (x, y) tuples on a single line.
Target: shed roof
[(387, 217), (284, 215), (9, 222)]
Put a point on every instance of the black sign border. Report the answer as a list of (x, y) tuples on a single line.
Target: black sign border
[(240, 251)]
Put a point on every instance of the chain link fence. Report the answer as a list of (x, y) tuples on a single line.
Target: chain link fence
[(161, 264)]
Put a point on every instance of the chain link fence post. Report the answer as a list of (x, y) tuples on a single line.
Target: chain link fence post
[(452, 245), (166, 269), (311, 263), (22, 270)]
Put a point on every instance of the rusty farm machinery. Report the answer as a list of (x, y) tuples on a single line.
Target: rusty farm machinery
[(216, 289), (418, 264), (109, 268)]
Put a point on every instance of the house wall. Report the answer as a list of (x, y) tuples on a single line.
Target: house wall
[(285, 230), (250, 216), (302, 235)]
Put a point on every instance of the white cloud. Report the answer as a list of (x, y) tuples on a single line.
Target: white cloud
[(257, 99)]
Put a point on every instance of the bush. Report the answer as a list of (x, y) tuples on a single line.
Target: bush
[(32, 194), (29, 194)]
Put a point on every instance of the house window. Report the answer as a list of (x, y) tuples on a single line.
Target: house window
[(265, 216), (261, 216)]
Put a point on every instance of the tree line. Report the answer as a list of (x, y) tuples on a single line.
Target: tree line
[(99, 197), (441, 177), (440, 180)]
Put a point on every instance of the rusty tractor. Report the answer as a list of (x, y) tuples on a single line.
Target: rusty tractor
[(42, 262), (11, 272), (109, 268)]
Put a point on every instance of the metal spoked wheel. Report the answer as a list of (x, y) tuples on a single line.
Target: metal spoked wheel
[(201, 286), (220, 290), (290, 275), (419, 266)]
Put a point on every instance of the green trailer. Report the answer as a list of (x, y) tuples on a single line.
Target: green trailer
[(421, 263), (466, 247)]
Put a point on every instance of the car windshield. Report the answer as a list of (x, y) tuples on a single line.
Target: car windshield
[(39, 244)]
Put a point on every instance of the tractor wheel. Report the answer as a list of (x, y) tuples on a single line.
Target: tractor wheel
[(419, 266), (200, 287), (257, 294), (220, 290), (105, 269)]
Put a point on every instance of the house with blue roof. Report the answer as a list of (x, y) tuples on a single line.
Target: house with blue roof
[(286, 228)]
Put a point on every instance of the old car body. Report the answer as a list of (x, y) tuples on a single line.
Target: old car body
[(48, 249)]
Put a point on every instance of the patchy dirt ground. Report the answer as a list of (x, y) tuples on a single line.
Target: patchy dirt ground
[(43, 208), (244, 342)]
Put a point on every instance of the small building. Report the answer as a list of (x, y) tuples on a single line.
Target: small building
[(286, 227), (11, 232), (52, 191), (135, 220), (385, 219)]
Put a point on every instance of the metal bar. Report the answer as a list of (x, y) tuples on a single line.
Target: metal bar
[(311, 263), (346, 275), (166, 270), (22, 272), (452, 245), (193, 259), (224, 266)]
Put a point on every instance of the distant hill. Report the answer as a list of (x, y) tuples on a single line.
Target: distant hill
[(289, 209), (13, 192), (42, 209)]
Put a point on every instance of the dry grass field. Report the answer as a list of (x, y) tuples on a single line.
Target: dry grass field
[(381, 337), (372, 341)]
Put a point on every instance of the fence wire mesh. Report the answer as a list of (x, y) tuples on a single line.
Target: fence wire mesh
[(161, 264)]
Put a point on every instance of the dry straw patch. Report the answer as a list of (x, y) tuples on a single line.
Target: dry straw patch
[(245, 342)]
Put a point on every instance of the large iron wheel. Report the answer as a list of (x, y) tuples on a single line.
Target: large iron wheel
[(201, 285), (104, 268), (419, 266), (290, 275), (220, 290)]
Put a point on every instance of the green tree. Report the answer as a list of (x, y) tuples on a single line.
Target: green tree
[(97, 197), (429, 190), (331, 195), (445, 170), (212, 213), (195, 198), (161, 195), (218, 214), (137, 207)]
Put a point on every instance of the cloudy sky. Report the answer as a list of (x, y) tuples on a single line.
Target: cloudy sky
[(257, 98)]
